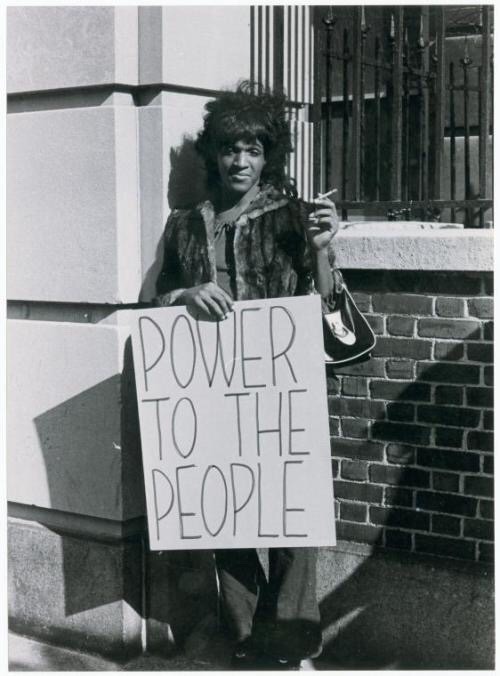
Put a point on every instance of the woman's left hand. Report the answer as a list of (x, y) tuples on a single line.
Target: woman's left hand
[(322, 224)]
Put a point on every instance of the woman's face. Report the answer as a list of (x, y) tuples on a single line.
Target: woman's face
[(240, 166)]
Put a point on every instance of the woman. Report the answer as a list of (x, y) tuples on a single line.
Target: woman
[(254, 239)]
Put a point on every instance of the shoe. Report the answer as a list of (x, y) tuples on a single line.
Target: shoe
[(244, 657), (285, 665)]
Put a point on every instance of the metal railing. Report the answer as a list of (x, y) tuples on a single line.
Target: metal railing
[(414, 141)]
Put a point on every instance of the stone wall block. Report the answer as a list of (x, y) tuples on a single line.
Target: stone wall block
[(171, 173), (193, 53), (56, 47), (73, 206), (68, 443), (406, 246)]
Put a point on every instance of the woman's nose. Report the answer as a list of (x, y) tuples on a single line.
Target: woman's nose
[(240, 159)]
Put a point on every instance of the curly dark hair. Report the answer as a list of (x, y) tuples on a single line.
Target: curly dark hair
[(251, 112)]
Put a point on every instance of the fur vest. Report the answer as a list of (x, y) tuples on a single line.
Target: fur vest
[(272, 257)]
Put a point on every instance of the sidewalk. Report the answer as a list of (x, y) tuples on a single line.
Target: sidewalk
[(25, 654)]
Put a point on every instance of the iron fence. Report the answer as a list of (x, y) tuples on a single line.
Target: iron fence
[(402, 128)]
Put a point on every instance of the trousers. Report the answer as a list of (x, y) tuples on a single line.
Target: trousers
[(278, 613)]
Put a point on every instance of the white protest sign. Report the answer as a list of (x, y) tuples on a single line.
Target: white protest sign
[(234, 426)]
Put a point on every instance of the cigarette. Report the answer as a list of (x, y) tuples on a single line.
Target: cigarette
[(320, 196)]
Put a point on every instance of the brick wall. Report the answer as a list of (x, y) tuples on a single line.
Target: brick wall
[(412, 438)]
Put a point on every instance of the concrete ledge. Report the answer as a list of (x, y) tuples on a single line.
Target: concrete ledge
[(73, 591), (79, 525), (379, 245)]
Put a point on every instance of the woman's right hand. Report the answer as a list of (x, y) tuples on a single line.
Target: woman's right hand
[(207, 301)]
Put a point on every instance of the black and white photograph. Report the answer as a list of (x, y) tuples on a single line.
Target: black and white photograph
[(249, 337)]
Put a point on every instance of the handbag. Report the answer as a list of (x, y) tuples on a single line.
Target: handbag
[(348, 337)]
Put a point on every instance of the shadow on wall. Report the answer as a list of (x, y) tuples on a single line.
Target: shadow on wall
[(186, 183), (406, 610), (73, 437), (181, 592), (186, 188), (410, 612)]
